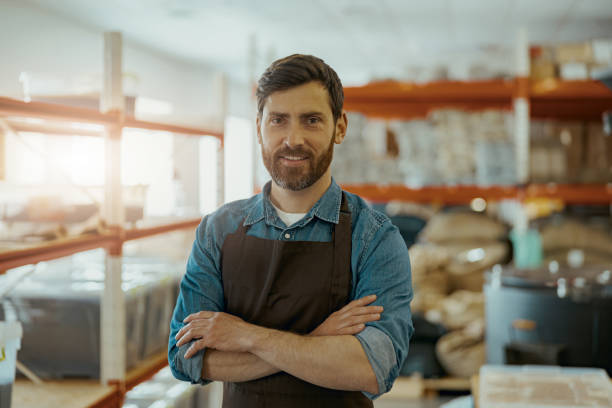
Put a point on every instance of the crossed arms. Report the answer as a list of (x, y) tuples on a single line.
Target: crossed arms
[(331, 356)]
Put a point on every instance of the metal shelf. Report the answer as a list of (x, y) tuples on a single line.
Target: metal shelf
[(53, 250), (146, 370), (66, 394), (65, 247), (401, 100), (464, 194), (553, 98), (63, 113)]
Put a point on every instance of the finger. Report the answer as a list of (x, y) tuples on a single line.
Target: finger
[(194, 348), (190, 335), (190, 325), (200, 315), (364, 310), (366, 300), (364, 319)]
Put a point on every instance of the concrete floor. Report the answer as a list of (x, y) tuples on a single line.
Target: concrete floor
[(411, 403)]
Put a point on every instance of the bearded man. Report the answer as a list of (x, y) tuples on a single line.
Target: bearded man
[(298, 296)]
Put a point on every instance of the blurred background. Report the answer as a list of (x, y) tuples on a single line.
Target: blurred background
[(482, 128)]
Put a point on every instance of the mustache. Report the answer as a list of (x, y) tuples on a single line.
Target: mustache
[(300, 151)]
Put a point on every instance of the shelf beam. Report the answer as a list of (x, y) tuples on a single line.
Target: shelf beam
[(138, 233), (146, 370), (551, 98), (13, 107), (461, 195), (69, 246), (434, 194), (62, 113), (53, 250)]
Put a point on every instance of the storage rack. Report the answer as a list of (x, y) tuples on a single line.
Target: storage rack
[(547, 99), (110, 392)]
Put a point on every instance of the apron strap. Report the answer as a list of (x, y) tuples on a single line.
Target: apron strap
[(342, 236)]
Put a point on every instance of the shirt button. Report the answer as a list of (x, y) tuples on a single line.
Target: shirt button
[(287, 235)]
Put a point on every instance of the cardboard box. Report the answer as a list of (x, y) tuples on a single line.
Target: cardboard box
[(574, 71), (571, 136), (596, 155), (539, 164), (602, 51), (579, 52), (541, 70)]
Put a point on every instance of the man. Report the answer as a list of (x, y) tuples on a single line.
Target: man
[(275, 298)]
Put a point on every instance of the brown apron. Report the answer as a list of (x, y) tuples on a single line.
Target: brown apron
[(291, 286)]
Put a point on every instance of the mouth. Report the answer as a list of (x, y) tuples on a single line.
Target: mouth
[(293, 160)]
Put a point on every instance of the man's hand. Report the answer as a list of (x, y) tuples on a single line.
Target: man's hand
[(217, 330), (350, 319), (225, 332)]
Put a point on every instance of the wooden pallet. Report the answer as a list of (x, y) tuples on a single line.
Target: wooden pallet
[(415, 387)]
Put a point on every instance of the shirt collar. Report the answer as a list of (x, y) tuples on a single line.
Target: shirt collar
[(326, 209)]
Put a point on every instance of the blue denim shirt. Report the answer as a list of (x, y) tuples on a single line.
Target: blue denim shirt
[(379, 263)]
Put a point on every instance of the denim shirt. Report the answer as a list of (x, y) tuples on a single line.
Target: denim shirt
[(379, 265)]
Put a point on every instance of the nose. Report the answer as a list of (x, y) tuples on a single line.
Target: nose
[(294, 137)]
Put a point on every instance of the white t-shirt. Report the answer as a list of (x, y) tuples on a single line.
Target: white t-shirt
[(288, 218)]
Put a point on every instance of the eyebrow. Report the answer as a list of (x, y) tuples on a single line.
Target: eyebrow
[(309, 114), (302, 115), (279, 114)]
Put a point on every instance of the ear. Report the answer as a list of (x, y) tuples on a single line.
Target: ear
[(258, 125), (341, 126)]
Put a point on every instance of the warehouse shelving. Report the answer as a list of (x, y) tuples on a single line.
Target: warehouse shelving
[(551, 99), (401, 100), (66, 394), (54, 118), (68, 246), (569, 100), (464, 194), (61, 113)]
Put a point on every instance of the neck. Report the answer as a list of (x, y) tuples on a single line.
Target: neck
[(300, 201)]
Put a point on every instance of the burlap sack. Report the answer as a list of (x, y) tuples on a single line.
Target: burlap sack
[(425, 300), (462, 226), (572, 234), (469, 260), (461, 352), (458, 310), (591, 258)]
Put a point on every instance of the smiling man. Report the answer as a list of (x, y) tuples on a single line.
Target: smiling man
[(299, 296)]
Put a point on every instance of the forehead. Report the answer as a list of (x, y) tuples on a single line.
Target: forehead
[(309, 97)]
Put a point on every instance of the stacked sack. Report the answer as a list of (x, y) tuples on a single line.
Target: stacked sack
[(473, 243), (448, 275), (560, 238)]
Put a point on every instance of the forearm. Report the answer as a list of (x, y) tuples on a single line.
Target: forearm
[(234, 366), (337, 362)]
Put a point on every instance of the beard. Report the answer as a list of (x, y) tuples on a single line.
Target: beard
[(298, 178)]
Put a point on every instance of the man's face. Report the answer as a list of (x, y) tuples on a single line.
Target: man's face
[(297, 133)]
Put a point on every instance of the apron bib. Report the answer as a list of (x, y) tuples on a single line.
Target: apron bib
[(290, 286)]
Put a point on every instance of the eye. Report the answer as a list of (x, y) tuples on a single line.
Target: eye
[(313, 120), (276, 120)]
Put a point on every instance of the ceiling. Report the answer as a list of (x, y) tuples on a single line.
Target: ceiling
[(361, 39)]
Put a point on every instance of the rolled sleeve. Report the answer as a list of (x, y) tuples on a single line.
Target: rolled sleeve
[(188, 369), (383, 269), (381, 355), (201, 289)]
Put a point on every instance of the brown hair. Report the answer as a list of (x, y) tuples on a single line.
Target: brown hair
[(299, 69)]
